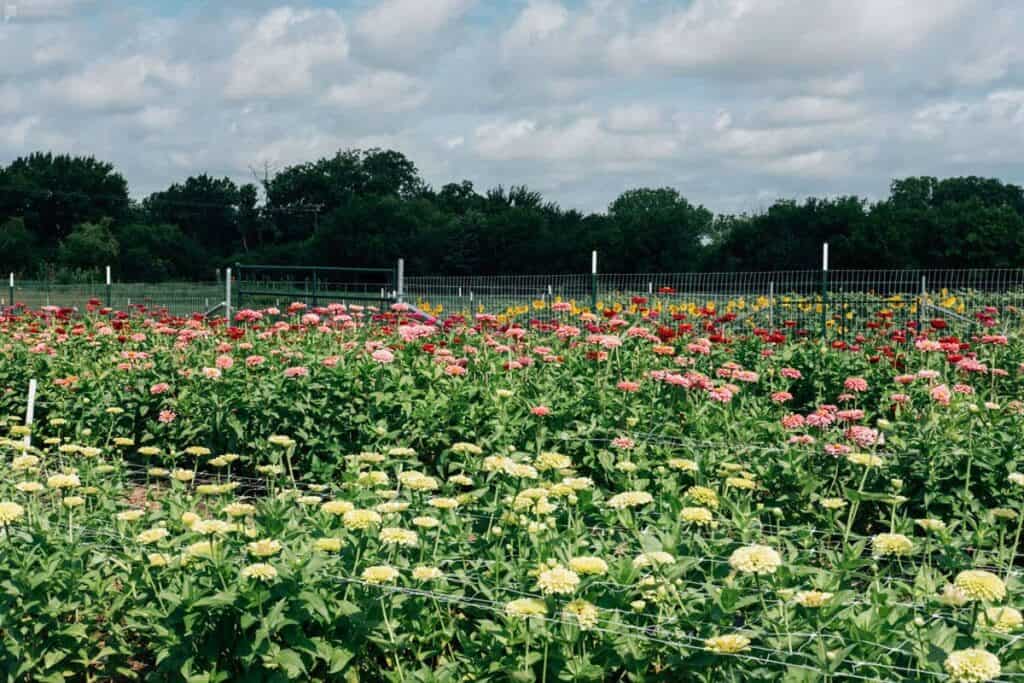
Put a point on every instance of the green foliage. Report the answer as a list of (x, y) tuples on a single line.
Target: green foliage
[(90, 245), (369, 207)]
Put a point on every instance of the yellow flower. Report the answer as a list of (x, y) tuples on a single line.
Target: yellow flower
[(201, 549), (29, 486), (629, 499), (395, 536), (337, 507), (552, 461), (833, 503), (183, 475), (703, 495), (149, 450), (197, 451), (281, 440), (152, 535), (558, 580), (189, 518), (1001, 619), (123, 441), (238, 509), (682, 464), (424, 573), (10, 512), (73, 501), (260, 572), (63, 481), (24, 462), (588, 565), (885, 545), (978, 584), (755, 559), (264, 547), (812, 598), (463, 448), (443, 503), (327, 545), (209, 527), (972, 666), (655, 558), (426, 522), (741, 483), (931, 524), (380, 574), (727, 644), (700, 516), (583, 612), (402, 452), (360, 519), (526, 607), (158, 559), (130, 515)]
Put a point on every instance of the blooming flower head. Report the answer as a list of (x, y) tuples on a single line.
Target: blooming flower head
[(558, 580), (812, 599), (10, 512), (379, 574), (972, 666), (526, 607), (584, 613), (629, 499), (425, 573), (703, 495), (397, 536), (654, 558), (727, 644), (979, 584), (260, 572), (755, 559), (327, 545), (588, 565), (264, 547), (360, 519), (700, 516), (897, 545)]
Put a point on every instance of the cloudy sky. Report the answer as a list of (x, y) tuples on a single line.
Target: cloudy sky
[(733, 102)]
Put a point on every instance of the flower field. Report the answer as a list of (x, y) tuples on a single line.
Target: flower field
[(346, 494)]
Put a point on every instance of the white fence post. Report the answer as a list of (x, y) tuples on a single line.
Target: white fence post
[(227, 295), (771, 304), (30, 412), (401, 280)]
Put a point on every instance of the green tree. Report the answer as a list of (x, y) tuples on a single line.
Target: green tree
[(17, 246), (90, 245)]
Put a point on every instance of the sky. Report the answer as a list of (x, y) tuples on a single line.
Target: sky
[(733, 102)]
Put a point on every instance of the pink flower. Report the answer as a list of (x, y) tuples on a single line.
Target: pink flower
[(159, 388), (627, 386), (793, 421), (837, 449), (330, 361), (383, 356), (721, 394), (966, 389), (851, 415), (224, 362), (782, 396), (791, 373), (454, 370), (253, 361), (540, 411), (801, 440), (297, 371), (310, 319), (900, 399), (862, 436), (903, 379), (857, 384), (211, 373), (561, 307), (623, 442), (941, 394), (167, 416)]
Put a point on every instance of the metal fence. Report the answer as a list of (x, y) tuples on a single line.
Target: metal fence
[(830, 302)]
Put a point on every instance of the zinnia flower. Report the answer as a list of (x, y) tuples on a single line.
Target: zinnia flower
[(978, 584), (755, 559), (972, 666), (260, 572), (557, 580), (728, 644)]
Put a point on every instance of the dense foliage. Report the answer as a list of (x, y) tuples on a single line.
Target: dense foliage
[(335, 494), (62, 216)]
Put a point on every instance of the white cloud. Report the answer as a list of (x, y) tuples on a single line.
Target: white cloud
[(985, 68), (749, 39), (399, 30), (635, 117), (280, 54), (119, 83), (158, 118), (582, 139), (385, 91), (17, 134), (810, 109)]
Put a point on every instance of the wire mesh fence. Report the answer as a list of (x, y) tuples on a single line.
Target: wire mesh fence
[(837, 303)]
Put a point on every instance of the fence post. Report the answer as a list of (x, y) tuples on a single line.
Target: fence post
[(400, 295), (109, 300), (824, 290), (11, 289), (921, 303), (227, 295), (316, 288), (593, 281), (771, 304)]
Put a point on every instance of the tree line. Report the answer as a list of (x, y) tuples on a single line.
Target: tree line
[(63, 217)]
